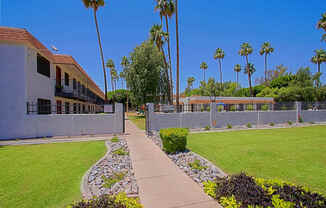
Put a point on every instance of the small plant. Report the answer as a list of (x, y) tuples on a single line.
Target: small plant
[(174, 139), (115, 139), (197, 166), (229, 126), (210, 188), (290, 123), (272, 124), (120, 152), (249, 125), (207, 128), (109, 182)]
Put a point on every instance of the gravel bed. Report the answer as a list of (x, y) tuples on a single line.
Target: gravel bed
[(108, 167), (183, 160)]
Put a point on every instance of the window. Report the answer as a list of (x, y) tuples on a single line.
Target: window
[(67, 107), (74, 84), (43, 66), (75, 108), (43, 106), (59, 107), (66, 79)]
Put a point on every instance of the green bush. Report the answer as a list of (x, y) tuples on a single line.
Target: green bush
[(249, 125), (108, 201), (207, 128), (229, 126), (115, 139), (174, 139)]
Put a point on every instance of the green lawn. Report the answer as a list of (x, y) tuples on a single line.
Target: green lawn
[(47, 175), (297, 155), (139, 121)]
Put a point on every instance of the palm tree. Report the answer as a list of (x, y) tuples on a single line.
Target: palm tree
[(190, 82), (237, 69), (95, 4), (322, 25), (246, 50), (110, 64), (266, 49), (204, 66), (250, 69), (219, 55), (319, 58), (158, 37), (178, 58)]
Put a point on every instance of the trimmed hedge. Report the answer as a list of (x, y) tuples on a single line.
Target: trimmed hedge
[(174, 139)]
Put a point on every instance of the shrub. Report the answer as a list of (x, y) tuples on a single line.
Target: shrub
[(108, 201), (249, 125), (271, 124), (229, 126), (174, 139), (115, 139), (197, 166), (109, 182), (120, 151), (207, 128), (290, 123)]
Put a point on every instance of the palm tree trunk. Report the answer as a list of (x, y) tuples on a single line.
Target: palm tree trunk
[(169, 51), (178, 59), (266, 68), (102, 56), (221, 78), (249, 77)]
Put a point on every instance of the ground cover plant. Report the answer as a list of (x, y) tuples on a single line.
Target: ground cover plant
[(244, 191), (46, 175), (295, 154)]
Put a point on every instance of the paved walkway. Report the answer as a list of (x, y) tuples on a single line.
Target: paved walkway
[(53, 140), (161, 183)]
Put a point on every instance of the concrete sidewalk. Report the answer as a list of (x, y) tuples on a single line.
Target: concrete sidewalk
[(161, 183)]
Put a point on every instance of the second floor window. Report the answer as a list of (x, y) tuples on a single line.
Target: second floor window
[(66, 79), (43, 66)]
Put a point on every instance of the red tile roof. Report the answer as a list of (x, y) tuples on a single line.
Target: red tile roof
[(66, 59), (23, 36)]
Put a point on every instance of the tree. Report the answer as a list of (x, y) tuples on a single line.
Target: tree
[(319, 58), (219, 55), (159, 37), (95, 4), (266, 49), (178, 51), (322, 25), (250, 69), (110, 64), (144, 73), (204, 67), (246, 50), (237, 69)]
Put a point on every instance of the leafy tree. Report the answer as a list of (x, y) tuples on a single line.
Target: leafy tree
[(95, 4), (266, 49), (204, 67), (319, 58), (237, 69), (144, 74), (246, 50), (322, 25), (219, 55)]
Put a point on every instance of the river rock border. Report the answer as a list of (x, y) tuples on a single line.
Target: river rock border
[(209, 173), (93, 183)]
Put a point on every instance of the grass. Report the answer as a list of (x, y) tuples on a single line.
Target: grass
[(47, 175), (296, 155), (139, 121)]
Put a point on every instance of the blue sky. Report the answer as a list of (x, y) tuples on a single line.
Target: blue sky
[(290, 26)]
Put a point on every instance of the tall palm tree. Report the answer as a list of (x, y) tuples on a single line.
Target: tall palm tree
[(246, 50), (110, 64), (322, 25), (95, 4), (178, 51), (266, 49), (219, 55), (237, 69), (158, 37), (204, 67), (319, 58)]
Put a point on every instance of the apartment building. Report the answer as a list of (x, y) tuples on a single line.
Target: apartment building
[(36, 81)]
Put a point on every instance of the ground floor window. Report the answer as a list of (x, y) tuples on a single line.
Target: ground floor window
[(43, 106), (67, 107)]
